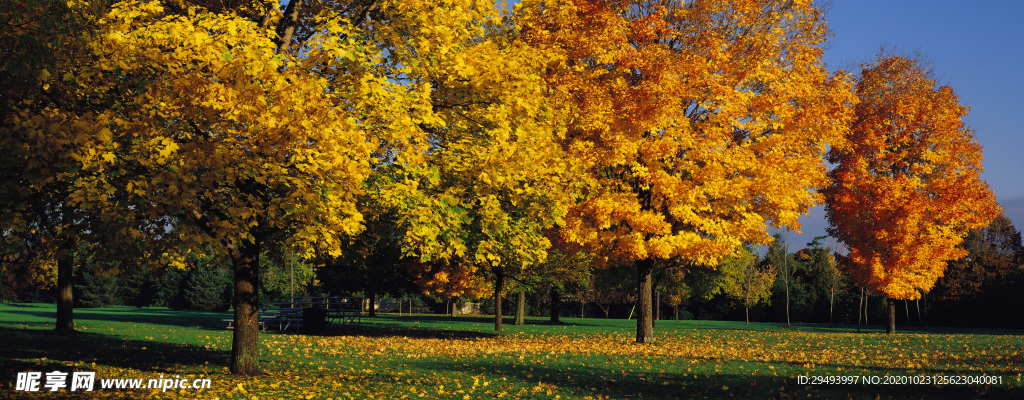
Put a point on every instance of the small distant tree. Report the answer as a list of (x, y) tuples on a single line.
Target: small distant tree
[(370, 262), (612, 286), (826, 277), (778, 259), (754, 283)]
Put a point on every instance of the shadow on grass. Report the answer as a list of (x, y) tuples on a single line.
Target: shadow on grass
[(574, 380), (418, 333), (157, 316), (482, 320), (24, 348)]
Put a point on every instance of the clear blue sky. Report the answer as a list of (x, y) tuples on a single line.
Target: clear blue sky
[(976, 47)]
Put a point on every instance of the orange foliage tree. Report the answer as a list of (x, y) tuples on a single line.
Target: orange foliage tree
[(906, 188), (698, 123)]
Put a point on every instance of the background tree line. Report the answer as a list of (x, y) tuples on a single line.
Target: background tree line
[(974, 292)]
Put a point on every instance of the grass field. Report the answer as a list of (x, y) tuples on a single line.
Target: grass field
[(394, 357)]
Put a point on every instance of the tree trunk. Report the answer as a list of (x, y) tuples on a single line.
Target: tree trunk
[(657, 308), (891, 327), (746, 290), (520, 309), (373, 304), (286, 28), (925, 298), (455, 306), (677, 311), (746, 293), (245, 340), (860, 308), (65, 293), (645, 320), (906, 308), (867, 299), (556, 300), (499, 281), (785, 261), (831, 301), (917, 303)]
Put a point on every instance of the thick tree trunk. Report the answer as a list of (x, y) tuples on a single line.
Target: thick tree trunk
[(520, 309), (65, 293), (245, 341), (891, 327), (645, 320), (556, 300), (499, 281), (373, 304)]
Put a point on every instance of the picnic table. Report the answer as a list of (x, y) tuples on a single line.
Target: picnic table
[(345, 310), (289, 314)]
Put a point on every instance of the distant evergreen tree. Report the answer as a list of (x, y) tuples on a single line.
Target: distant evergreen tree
[(94, 284), (138, 287), (170, 289), (206, 289)]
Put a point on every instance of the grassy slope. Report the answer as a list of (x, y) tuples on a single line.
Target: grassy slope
[(442, 357)]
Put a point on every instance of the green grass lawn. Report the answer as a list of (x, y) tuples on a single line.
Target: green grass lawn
[(393, 357)]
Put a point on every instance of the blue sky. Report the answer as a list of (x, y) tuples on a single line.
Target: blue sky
[(976, 47)]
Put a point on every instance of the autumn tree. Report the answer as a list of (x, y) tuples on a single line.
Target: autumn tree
[(749, 282), (561, 272), (492, 178), (49, 137), (779, 259), (906, 189), (825, 276), (370, 262), (698, 123), (742, 279), (610, 286), (236, 139), (986, 275)]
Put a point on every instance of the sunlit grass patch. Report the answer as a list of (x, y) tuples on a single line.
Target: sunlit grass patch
[(454, 358)]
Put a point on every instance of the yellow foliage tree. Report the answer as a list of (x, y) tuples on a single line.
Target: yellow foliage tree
[(492, 177), (205, 122), (46, 132)]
